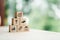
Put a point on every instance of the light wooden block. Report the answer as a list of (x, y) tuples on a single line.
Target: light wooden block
[(26, 28), (22, 21), (19, 14), (12, 28), (24, 24), (20, 28), (15, 21)]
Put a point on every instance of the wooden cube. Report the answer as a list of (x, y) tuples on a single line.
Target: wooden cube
[(23, 20), (23, 24), (15, 21), (12, 28), (26, 28), (20, 28), (19, 14)]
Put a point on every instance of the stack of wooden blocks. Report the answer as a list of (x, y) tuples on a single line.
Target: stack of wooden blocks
[(18, 23)]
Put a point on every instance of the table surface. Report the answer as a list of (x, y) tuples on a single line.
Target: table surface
[(33, 34)]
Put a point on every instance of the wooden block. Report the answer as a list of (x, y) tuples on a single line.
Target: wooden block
[(19, 14), (15, 14), (12, 21), (20, 27), (26, 28), (24, 24), (12, 28), (9, 28), (15, 21), (23, 27), (22, 21), (16, 30)]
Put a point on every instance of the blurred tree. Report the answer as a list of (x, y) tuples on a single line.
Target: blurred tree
[(10, 8), (27, 7)]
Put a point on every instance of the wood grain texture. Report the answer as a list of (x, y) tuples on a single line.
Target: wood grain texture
[(2, 11)]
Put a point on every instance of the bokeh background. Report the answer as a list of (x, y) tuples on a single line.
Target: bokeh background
[(42, 14)]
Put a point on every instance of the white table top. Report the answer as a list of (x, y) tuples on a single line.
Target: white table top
[(33, 34)]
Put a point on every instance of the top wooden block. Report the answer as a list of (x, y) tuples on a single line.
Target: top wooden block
[(18, 14)]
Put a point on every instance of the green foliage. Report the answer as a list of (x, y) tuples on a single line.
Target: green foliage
[(48, 27), (53, 1)]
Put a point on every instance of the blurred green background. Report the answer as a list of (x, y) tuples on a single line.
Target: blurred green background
[(42, 14)]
